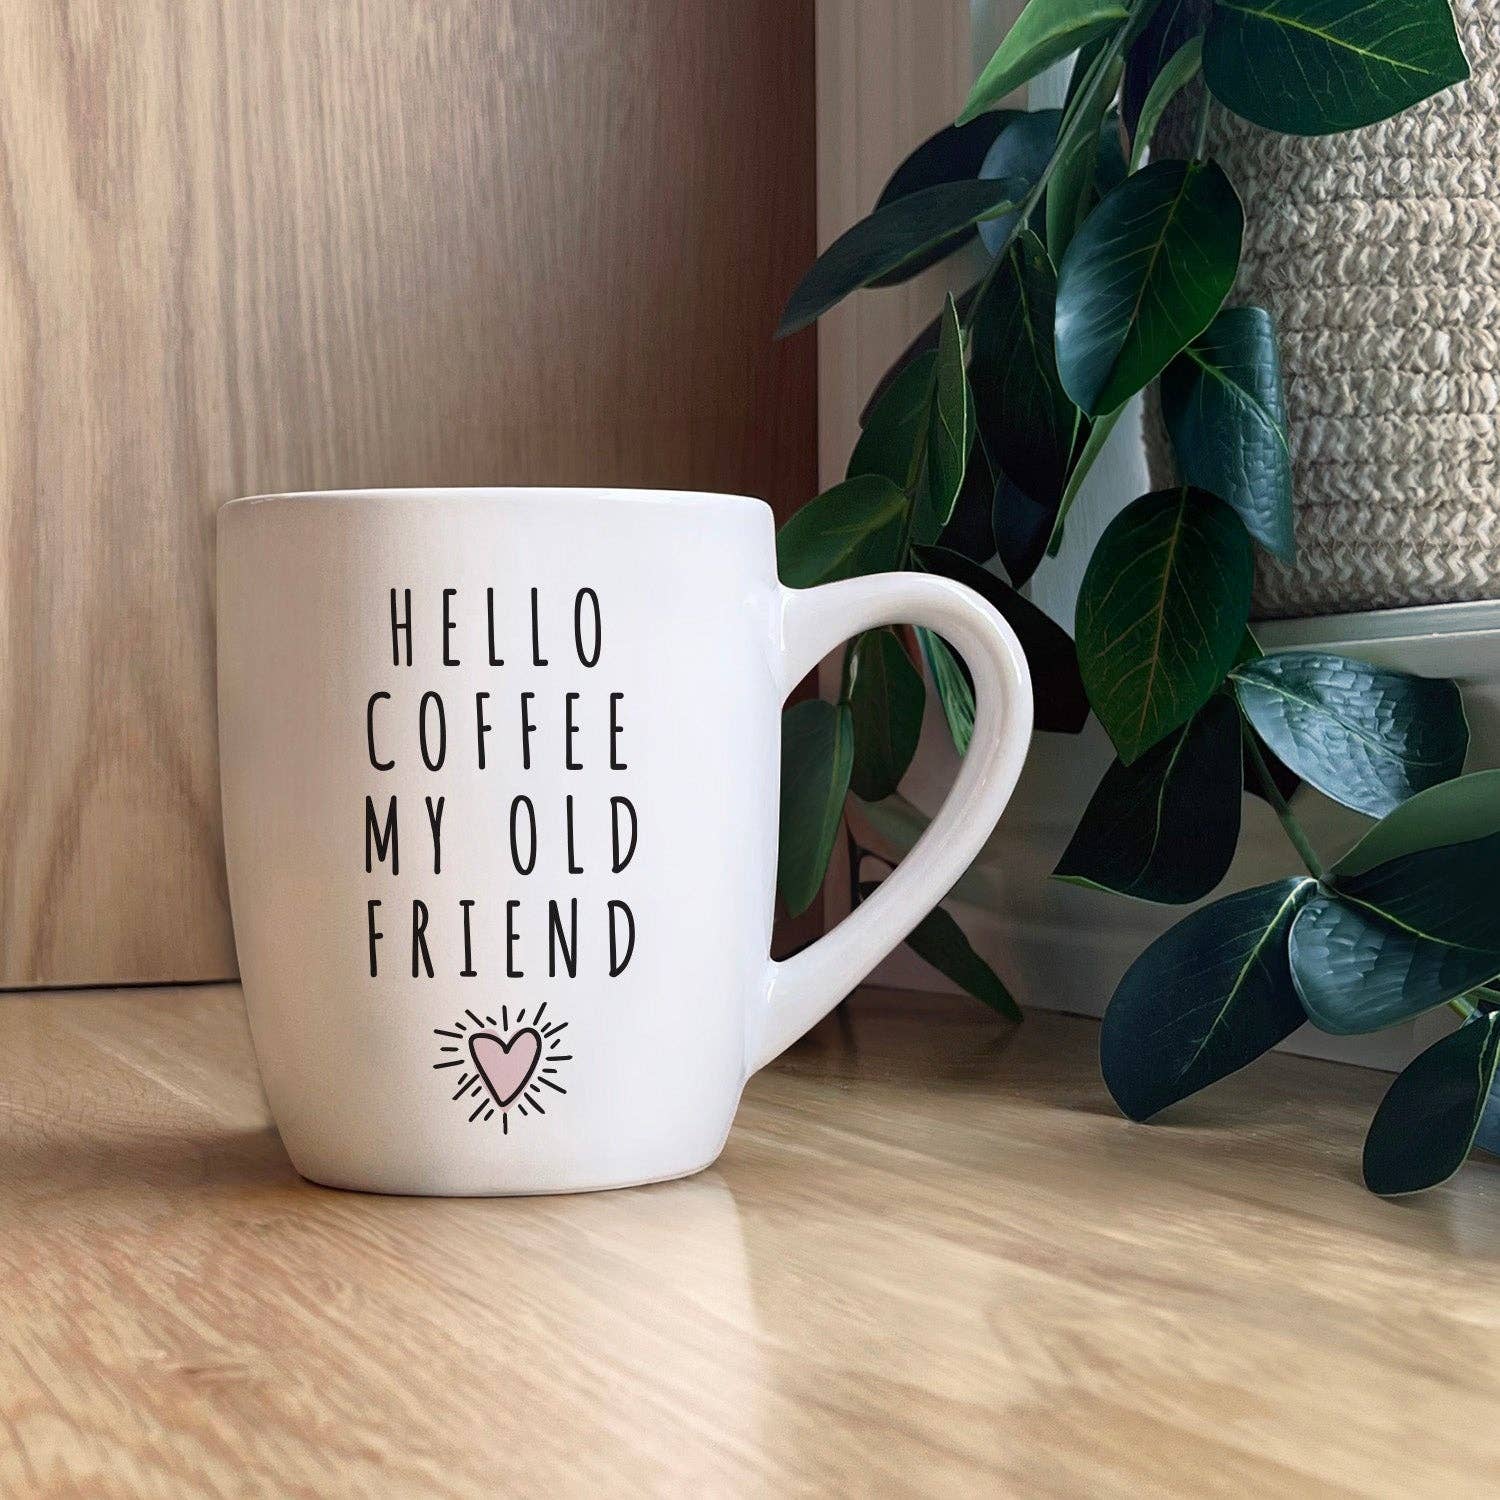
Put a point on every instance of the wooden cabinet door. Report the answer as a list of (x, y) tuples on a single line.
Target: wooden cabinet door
[(252, 245)]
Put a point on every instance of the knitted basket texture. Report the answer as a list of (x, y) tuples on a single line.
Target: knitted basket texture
[(1378, 253)]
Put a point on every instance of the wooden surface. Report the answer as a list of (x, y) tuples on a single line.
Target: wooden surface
[(251, 245), (931, 1261)]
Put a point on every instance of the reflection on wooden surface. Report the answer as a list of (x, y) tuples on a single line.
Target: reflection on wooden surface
[(931, 1260)]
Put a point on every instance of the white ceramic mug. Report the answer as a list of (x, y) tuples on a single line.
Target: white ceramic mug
[(500, 778)]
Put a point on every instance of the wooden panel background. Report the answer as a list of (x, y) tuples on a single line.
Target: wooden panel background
[(890, 74), (252, 245)]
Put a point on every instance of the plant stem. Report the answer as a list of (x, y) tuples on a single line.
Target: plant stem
[(1464, 1006), (1283, 810), (1200, 136), (1092, 448)]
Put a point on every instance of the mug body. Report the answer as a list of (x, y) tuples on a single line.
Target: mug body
[(499, 773)]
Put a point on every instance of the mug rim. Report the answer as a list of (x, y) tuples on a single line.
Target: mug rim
[(501, 492)]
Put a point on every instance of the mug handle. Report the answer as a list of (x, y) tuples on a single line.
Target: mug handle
[(801, 990)]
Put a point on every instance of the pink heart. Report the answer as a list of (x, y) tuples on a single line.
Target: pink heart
[(506, 1067)]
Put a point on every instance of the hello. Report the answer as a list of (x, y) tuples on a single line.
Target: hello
[(588, 630)]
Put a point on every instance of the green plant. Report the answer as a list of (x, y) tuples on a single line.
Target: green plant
[(1107, 274)]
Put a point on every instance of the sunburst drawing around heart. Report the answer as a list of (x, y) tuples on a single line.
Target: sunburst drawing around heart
[(506, 1062)]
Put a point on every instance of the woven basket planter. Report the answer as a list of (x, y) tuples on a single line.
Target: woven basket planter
[(1378, 253)]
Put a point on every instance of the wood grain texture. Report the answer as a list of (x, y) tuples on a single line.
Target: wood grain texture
[(254, 245), (931, 1261), (889, 74)]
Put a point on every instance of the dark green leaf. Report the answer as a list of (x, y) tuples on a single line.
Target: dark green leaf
[(1070, 193), (1021, 152), (925, 341), (1161, 613), (887, 705), (1145, 274), (1397, 938), (954, 689), (1358, 972), (919, 432), (1165, 828), (893, 238), (1179, 70), (969, 529), (954, 154), (1111, 169), (1171, 24), (1207, 997), (852, 529), (938, 940), (1020, 527), (1367, 737), (1426, 1123), (1468, 807), (1044, 33), (1447, 894), (895, 432), (1222, 403), (1027, 421), (1061, 704), (817, 754), (1313, 67), (950, 432)]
